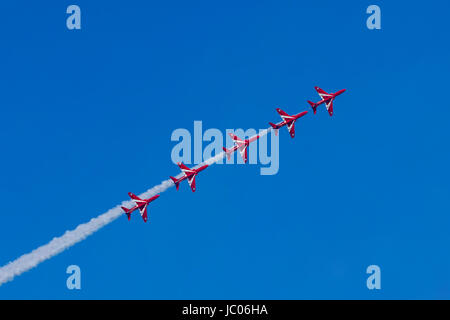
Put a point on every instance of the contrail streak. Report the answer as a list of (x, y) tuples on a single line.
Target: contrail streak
[(71, 237)]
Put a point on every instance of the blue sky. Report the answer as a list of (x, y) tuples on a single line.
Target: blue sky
[(87, 116)]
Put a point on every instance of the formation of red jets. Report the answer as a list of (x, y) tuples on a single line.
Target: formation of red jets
[(189, 174)]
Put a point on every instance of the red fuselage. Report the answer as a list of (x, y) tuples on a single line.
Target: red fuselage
[(192, 172), (142, 203), (291, 119), (332, 96)]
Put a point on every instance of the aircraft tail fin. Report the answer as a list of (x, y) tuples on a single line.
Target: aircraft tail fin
[(127, 211), (227, 152), (275, 127), (175, 180), (313, 106)]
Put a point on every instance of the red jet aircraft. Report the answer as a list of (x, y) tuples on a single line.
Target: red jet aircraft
[(141, 204), (240, 144), (327, 98), (189, 174), (288, 121)]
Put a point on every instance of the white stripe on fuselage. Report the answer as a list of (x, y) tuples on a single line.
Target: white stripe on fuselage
[(328, 103), (290, 126), (142, 209), (287, 117), (190, 179)]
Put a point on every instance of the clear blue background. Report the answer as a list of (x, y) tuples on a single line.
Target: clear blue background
[(87, 115)]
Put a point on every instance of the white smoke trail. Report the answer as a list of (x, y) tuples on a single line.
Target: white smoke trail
[(69, 238)]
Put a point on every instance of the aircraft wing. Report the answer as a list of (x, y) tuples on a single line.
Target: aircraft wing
[(281, 112), (291, 128), (284, 115), (236, 139), (329, 105), (184, 168), (324, 95), (191, 181), (243, 152), (153, 198), (133, 196), (143, 211), (139, 202)]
